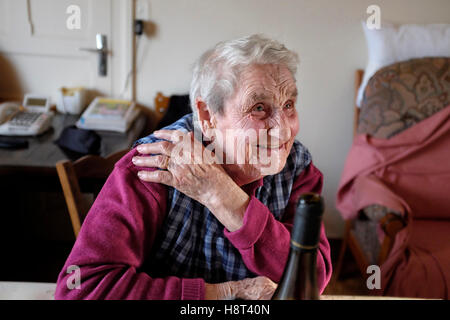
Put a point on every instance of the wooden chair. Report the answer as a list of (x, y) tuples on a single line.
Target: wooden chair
[(154, 115), (391, 223), (86, 175), (161, 105)]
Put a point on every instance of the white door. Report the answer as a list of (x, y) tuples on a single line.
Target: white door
[(40, 43)]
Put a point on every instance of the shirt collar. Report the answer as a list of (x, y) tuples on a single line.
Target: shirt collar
[(251, 187)]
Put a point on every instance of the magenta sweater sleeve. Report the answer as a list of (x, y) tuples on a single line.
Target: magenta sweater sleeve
[(123, 222), (264, 242), (116, 235)]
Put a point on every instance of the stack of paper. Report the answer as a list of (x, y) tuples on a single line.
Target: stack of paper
[(108, 114)]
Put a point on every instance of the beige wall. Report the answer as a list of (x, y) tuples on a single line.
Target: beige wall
[(328, 36)]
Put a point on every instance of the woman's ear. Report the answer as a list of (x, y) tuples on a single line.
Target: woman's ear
[(205, 116)]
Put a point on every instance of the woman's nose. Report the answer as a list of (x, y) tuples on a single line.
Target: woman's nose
[(279, 129)]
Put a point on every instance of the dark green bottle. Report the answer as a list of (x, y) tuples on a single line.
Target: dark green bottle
[(299, 280)]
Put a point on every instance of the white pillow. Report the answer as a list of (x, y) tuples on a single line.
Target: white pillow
[(391, 44)]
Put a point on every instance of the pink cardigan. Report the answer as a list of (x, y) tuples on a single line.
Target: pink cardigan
[(122, 225)]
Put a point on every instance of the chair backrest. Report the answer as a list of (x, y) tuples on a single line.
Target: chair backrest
[(403, 94), (161, 105), (359, 75), (178, 106), (87, 174)]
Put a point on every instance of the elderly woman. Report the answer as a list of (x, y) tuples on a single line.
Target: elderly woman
[(204, 208)]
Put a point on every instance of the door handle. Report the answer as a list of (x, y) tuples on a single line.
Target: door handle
[(102, 51)]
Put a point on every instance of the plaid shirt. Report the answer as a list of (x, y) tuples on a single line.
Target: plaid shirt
[(192, 243)]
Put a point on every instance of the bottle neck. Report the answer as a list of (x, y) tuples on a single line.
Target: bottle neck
[(307, 222)]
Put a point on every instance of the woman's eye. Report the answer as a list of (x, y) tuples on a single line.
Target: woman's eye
[(259, 108), (259, 111), (289, 105)]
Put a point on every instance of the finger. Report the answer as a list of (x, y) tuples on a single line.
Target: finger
[(157, 176), (158, 161), (160, 147), (170, 135), (267, 292)]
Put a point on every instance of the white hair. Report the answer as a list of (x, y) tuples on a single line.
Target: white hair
[(217, 71)]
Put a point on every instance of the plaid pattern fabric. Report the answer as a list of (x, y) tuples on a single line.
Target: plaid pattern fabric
[(191, 243)]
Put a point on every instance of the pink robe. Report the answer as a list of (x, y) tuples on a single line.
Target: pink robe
[(409, 173)]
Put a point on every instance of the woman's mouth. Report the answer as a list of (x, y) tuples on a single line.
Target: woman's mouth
[(273, 147)]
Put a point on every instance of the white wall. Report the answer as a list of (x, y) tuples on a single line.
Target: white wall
[(327, 35)]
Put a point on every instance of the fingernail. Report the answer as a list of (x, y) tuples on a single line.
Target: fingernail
[(141, 174), (135, 160)]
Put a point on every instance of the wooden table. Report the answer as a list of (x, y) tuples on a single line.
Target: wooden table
[(35, 165), (42, 153), (350, 297), (46, 291), (27, 291)]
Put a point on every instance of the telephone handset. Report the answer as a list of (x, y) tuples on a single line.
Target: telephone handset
[(30, 119)]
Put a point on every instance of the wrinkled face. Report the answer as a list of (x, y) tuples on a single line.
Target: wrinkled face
[(262, 117)]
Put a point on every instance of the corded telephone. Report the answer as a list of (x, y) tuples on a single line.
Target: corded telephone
[(30, 119)]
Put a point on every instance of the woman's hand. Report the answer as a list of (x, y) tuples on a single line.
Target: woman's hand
[(259, 288), (191, 168), (181, 161)]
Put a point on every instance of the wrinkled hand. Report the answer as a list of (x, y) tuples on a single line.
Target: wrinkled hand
[(259, 288), (184, 165), (191, 168)]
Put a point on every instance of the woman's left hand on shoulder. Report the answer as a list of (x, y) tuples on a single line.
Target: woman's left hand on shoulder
[(185, 165), (193, 170)]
